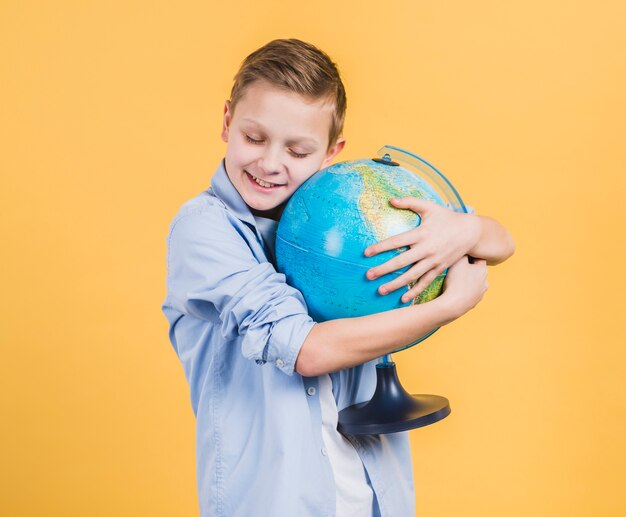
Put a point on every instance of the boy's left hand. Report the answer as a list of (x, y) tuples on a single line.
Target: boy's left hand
[(441, 239)]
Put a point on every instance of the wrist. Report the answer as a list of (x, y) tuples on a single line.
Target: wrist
[(450, 306), (474, 231)]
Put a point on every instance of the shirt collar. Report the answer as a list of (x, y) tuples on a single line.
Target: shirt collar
[(224, 189)]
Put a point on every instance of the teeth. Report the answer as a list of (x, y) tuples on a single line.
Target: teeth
[(261, 182)]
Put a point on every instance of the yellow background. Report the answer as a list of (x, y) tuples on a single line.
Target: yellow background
[(110, 114)]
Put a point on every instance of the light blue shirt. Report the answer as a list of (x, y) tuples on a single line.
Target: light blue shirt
[(237, 328)]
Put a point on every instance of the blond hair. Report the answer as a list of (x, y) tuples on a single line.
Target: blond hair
[(297, 67)]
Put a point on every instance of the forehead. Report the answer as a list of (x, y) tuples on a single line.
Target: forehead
[(284, 112)]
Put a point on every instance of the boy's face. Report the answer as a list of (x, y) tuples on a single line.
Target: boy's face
[(276, 141)]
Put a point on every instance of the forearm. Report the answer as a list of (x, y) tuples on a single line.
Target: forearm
[(344, 343), (494, 244)]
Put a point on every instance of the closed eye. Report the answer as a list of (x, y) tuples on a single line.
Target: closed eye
[(293, 153), (298, 155), (252, 140)]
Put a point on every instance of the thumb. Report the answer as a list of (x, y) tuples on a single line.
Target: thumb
[(478, 262), (416, 204)]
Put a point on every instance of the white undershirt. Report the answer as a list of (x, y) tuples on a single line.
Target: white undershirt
[(354, 495)]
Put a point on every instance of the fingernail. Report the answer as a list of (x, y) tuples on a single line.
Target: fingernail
[(383, 290), (367, 252)]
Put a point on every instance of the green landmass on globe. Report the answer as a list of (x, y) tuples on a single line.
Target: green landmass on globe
[(374, 203)]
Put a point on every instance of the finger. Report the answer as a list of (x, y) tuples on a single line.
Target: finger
[(416, 204), (405, 278), (423, 283), (406, 258), (479, 265), (391, 243)]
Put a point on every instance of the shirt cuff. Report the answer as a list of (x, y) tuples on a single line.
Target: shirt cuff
[(286, 340)]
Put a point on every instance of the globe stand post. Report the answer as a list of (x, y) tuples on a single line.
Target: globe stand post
[(392, 409)]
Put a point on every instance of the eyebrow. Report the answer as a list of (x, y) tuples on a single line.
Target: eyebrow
[(304, 140)]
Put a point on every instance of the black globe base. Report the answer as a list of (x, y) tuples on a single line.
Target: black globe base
[(392, 409)]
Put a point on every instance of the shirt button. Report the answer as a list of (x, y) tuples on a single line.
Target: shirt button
[(324, 451), (280, 363), (311, 391)]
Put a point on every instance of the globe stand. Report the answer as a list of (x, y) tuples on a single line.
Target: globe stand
[(392, 409)]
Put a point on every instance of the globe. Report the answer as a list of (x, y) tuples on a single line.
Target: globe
[(333, 217), (321, 237)]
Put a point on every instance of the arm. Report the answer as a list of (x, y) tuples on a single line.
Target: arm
[(442, 238), (217, 275), (212, 275), (494, 244), (344, 343)]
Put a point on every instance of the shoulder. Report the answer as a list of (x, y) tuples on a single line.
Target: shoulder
[(204, 203), (205, 226), (203, 212)]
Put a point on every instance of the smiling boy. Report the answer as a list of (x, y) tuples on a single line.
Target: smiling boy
[(267, 381)]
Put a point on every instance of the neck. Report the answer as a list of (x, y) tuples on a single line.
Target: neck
[(273, 213)]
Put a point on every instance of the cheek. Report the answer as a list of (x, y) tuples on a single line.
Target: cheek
[(241, 153), (303, 173)]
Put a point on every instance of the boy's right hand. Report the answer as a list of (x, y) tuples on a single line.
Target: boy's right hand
[(465, 285)]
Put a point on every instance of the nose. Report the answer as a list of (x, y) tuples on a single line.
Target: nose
[(270, 161)]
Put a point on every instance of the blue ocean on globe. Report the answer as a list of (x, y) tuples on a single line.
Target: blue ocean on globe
[(328, 223)]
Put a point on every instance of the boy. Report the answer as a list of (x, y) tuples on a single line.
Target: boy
[(266, 381)]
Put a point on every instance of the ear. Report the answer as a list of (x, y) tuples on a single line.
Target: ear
[(227, 119), (333, 151)]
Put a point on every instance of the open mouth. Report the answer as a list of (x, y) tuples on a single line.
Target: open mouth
[(262, 183)]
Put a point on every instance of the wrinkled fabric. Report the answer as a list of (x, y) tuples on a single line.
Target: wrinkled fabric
[(237, 328)]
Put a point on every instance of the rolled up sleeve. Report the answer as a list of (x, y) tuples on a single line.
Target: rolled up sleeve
[(214, 275)]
